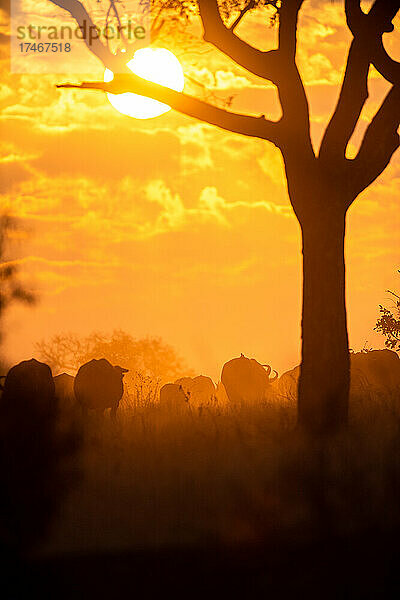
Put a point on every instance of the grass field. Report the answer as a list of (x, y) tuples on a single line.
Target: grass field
[(222, 498), (227, 475)]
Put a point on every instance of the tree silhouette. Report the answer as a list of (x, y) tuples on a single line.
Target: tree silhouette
[(322, 184), (388, 323), (146, 356), (37, 451), (11, 288)]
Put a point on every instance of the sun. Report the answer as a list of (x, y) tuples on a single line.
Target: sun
[(154, 64)]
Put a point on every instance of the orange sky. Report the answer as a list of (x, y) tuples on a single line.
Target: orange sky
[(173, 228)]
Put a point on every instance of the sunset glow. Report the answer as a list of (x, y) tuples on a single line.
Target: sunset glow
[(157, 65), (172, 227), (200, 304)]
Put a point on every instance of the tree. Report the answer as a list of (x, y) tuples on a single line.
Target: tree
[(388, 323), (11, 289), (145, 357), (322, 184), (35, 452)]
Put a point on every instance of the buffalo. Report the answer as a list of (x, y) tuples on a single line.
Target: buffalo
[(287, 384), (220, 394), (246, 380), (29, 385), (373, 372), (376, 371), (99, 386), (35, 454), (64, 390), (173, 397), (28, 407), (199, 390)]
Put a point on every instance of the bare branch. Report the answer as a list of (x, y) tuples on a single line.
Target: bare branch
[(378, 20), (243, 12), (80, 14), (156, 26), (367, 30), (128, 82), (385, 65), (354, 15), (278, 66), (380, 142), (371, 27), (244, 124), (288, 15), (292, 95), (116, 13), (353, 96), (262, 64), (113, 8)]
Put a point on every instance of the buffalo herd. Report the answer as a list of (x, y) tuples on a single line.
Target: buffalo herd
[(372, 373), (98, 385), (246, 380)]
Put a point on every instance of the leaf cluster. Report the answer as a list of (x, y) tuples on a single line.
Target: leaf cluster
[(388, 324)]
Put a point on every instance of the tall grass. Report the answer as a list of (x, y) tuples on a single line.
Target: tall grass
[(229, 475)]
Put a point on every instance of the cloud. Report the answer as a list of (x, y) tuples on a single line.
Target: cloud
[(46, 276), (220, 79), (172, 214), (196, 151), (13, 167), (111, 156), (317, 69), (210, 203), (34, 260), (213, 204)]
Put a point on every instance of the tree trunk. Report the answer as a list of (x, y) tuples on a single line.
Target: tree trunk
[(325, 372)]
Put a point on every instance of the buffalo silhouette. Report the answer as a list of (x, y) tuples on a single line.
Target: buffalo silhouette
[(64, 391), (99, 385), (30, 386), (173, 397), (286, 386), (372, 372), (199, 390), (35, 454), (376, 371), (246, 380)]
